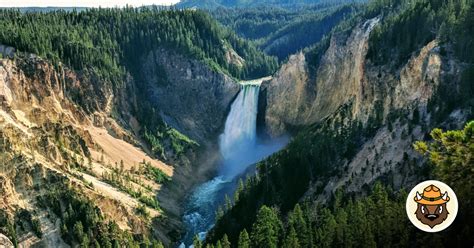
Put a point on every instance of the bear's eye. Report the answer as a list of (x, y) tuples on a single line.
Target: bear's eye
[(423, 209), (440, 209)]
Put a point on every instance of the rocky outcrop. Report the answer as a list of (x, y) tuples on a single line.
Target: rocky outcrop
[(52, 118), (190, 96), (345, 77), (296, 100), (285, 99), (35, 90)]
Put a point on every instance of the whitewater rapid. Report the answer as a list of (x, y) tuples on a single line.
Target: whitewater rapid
[(239, 147)]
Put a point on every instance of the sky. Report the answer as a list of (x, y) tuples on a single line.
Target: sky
[(82, 3)]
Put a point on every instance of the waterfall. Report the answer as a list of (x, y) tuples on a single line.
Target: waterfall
[(240, 148), (240, 133)]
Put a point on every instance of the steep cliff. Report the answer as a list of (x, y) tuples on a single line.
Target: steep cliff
[(42, 129), (190, 96), (295, 99)]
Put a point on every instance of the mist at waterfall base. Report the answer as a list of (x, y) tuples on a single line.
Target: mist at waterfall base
[(240, 148)]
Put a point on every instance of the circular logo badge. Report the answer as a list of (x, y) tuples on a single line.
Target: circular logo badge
[(432, 206)]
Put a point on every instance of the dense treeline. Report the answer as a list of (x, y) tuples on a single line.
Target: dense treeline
[(254, 23), (281, 32), (49, 9), (109, 41), (372, 221), (378, 219), (414, 24), (260, 22), (305, 32), (407, 26), (419, 22), (289, 4)]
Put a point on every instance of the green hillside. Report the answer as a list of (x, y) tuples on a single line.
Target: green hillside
[(111, 41), (281, 32)]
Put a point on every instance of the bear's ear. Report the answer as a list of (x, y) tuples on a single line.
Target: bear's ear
[(445, 196), (418, 196)]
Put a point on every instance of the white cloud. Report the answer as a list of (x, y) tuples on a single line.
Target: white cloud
[(82, 3)]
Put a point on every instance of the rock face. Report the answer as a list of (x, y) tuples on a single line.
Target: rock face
[(345, 77), (287, 97), (191, 97), (295, 100), (345, 80), (43, 128), (36, 91)]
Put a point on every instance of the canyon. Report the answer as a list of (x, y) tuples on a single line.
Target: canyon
[(172, 150)]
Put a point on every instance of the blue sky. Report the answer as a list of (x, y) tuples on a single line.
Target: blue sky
[(82, 3)]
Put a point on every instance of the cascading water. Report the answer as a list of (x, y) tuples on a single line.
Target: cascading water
[(238, 141), (239, 147)]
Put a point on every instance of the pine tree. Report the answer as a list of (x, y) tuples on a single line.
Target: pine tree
[(325, 233), (219, 213), (197, 242), (291, 240), (266, 229), (225, 241), (342, 232), (228, 203), (452, 153), (239, 190), (78, 231), (244, 240), (297, 221)]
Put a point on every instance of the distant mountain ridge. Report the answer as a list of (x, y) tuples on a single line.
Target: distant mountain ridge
[(212, 4), (48, 9)]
